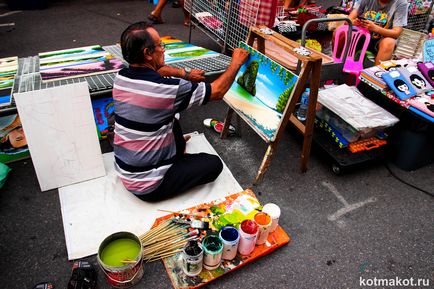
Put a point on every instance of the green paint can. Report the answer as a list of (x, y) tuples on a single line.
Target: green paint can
[(120, 257)]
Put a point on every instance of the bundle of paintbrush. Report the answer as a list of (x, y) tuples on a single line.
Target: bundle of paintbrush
[(165, 240)]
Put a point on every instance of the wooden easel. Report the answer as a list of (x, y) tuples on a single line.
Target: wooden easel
[(311, 70)]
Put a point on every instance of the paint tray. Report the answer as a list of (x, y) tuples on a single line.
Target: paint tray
[(174, 264)]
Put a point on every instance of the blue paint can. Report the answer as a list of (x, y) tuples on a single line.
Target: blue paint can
[(230, 238)]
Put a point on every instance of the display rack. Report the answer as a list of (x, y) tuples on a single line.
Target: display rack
[(227, 22), (28, 77)]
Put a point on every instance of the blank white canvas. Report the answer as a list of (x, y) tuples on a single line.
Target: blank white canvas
[(61, 134)]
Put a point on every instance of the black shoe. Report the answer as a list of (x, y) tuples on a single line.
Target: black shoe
[(83, 276), (175, 4)]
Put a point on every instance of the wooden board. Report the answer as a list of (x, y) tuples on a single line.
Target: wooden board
[(174, 264)]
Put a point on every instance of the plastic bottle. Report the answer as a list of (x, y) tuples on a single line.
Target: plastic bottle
[(302, 110)]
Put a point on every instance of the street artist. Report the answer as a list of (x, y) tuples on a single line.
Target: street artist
[(149, 146)]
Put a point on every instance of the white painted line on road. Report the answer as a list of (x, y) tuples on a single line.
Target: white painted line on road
[(347, 207), (336, 193), (10, 13), (7, 24)]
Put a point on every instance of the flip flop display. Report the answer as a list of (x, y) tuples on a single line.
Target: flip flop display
[(218, 126)]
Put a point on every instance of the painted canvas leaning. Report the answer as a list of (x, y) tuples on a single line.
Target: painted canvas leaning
[(261, 92), (8, 70), (76, 62)]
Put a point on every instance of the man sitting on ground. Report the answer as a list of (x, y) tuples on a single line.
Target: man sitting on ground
[(385, 20), (149, 146)]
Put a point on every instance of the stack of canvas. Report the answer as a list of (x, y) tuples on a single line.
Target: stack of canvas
[(76, 62), (8, 69)]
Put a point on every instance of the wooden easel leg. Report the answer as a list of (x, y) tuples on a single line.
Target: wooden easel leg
[(310, 120), (265, 163), (228, 119)]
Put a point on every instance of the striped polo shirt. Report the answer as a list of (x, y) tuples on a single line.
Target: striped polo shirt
[(145, 107)]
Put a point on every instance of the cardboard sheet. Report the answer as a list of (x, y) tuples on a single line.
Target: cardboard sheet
[(94, 209)]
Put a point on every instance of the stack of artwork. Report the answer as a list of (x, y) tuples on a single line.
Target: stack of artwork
[(76, 62), (8, 69), (261, 91)]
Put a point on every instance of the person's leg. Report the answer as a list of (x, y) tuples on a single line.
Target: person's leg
[(186, 14), (385, 49), (155, 16), (188, 171)]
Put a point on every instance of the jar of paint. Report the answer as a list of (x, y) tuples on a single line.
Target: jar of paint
[(212, 252), (192, 258), (248, 234), (230, 238), (274, 211), (264, 224), (120, 257)]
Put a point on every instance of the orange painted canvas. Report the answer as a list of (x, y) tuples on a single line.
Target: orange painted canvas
[(243, 203)]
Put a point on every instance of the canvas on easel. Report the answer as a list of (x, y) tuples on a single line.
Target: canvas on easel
[(260, 92), (269, 113)]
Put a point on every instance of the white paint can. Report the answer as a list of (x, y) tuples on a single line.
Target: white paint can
[(274, 211)]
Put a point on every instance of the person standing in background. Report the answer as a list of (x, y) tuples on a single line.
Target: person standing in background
[(156, 18)]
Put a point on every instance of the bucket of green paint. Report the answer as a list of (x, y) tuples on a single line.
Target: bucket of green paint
[(120, 257)]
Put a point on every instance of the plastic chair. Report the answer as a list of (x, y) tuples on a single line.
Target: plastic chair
[(358, 34)]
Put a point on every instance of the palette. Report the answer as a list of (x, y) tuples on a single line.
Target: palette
[(242, 203)]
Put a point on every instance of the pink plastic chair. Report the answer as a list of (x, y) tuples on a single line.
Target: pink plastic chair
[(358, 34)]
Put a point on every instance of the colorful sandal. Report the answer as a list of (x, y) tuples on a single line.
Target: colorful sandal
[(218, 126)]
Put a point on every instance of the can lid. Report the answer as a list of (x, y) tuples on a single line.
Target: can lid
[(272, 209)]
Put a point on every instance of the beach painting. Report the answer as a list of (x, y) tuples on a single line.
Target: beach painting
[(260, 92)]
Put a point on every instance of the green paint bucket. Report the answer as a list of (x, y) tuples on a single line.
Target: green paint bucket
[(120, 257)]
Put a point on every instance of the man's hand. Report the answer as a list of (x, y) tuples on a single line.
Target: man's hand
[(239, 56), (196, 75)]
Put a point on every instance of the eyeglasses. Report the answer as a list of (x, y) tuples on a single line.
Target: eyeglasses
[(161, 44)]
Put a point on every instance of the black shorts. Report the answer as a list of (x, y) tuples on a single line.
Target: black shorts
[(374, 45)]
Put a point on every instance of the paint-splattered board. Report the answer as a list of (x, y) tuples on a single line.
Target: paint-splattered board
[(174, 264)]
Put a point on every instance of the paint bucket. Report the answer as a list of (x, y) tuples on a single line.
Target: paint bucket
[(120, 257), (274, 211), (212, 252), (248, 235), (264, 223), (230, 238), (192, 258)]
